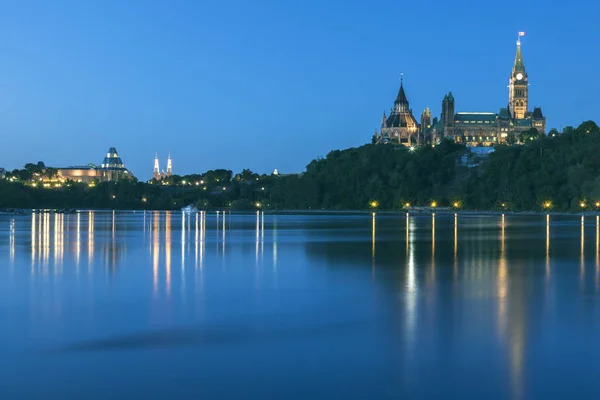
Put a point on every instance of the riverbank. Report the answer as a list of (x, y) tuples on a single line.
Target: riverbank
[(437, 211)]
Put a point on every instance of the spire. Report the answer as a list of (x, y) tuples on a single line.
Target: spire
[(401, 103), (383, 120), (519, 66), (169, 166), (156, 168), (401, 98)]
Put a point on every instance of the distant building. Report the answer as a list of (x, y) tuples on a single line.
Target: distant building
[(158, 174), (2, 173), (112, 169), (470, 128)]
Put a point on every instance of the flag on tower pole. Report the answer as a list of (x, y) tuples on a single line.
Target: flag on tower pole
[(521, 34)]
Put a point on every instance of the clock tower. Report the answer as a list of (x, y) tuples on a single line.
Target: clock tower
[(518, 86)]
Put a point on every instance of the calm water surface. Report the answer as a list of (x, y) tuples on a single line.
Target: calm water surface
[(162, 305)]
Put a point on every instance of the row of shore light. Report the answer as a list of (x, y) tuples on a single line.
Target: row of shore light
[(456, 204)]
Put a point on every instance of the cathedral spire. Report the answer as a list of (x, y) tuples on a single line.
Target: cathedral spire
[(156, 168), (169, 166)]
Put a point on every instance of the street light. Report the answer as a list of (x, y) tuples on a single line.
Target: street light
[(434, 204)]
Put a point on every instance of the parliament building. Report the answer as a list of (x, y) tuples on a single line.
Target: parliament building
[(470, 128)]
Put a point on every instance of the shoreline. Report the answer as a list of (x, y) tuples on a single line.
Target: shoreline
[(443, 211)]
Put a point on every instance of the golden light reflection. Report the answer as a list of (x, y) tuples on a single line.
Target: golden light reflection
[(511, 323), (547, 246), (90, 238), (597, 251), (411, 287), (432, 275), (257, 234), (582, 256), (12, 241), (168, 252), (262, 235), (502, 281), (183, 239), (455, 264), (46, 235), (373, 241), (196, 240), (407, 231), (218, 228), (432, 235), (59, 227), (200, 238), (155, 250), (33, 238), (275, 244), (78, 241), (223, 236)]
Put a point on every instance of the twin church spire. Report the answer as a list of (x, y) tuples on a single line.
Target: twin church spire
[(158, 174)]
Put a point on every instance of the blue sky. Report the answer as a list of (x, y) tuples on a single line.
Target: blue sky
[(268, 84)]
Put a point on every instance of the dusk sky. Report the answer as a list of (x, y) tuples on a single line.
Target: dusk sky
[(269, 84)]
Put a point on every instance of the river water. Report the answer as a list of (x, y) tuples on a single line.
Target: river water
[(166, 305)]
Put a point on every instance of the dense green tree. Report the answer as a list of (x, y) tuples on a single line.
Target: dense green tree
[(561, 168)]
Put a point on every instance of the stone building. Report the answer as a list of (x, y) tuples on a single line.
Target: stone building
[(474, 128), (401, 126), (112, 169)]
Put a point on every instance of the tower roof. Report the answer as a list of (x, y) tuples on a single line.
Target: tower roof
[(112, 160), (519, 65), (401, 98)]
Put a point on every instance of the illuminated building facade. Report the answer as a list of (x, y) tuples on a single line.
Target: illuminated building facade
[(470, 128), (401, 125), (158, 174), (112, 169)]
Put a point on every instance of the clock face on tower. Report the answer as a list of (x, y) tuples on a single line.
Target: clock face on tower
[(519, 76)]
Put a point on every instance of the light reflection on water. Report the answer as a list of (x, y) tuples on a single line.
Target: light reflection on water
[(494, 295)]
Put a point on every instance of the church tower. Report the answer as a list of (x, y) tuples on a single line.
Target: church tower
[(156, 168), (169, 166), (518, 98)]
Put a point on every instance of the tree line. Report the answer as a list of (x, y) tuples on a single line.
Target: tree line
[(558, 171)]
